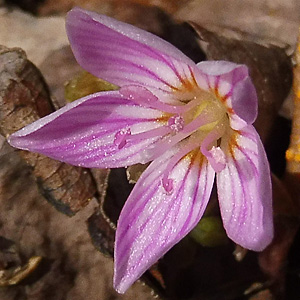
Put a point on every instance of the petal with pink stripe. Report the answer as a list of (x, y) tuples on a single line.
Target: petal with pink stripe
[(165, 204), (244, 190), (125, 55), (232, 85), (102, 130)]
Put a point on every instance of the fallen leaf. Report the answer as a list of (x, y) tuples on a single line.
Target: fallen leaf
[(15, 275), (24, 98)]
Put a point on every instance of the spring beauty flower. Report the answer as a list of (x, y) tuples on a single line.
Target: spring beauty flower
[(194, 122)]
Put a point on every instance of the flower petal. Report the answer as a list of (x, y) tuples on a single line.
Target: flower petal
[(244, 190), (159, 212), (123, 54), (232, 84), (92, 132)]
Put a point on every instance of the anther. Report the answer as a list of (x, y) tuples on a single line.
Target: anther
[(168, 185), (217, 158), (121, 136), (176, 123)]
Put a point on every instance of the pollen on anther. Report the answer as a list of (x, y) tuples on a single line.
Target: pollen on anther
[(176, 123)]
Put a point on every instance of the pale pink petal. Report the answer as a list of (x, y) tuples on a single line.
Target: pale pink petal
[(165, 204), (244, 190), (232, 85), (123, 54), (101, 130)]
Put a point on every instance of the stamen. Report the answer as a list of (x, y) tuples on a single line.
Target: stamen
[(153, 133), (217, 158), (205, 117), (168, 185), (144, 97), (121, 137), (125, 135), (176, 123), (215, 155)]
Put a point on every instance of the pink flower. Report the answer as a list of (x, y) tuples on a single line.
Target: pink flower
[(192, 121)]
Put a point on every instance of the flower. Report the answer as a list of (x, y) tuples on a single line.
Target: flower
[(192, 121)]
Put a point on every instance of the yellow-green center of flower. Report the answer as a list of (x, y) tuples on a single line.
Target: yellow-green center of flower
[(204, 123)]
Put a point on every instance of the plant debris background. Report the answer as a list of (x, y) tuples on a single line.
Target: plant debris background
[(71, 267)]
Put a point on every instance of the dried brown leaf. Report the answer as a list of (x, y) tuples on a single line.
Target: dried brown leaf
[(102, 233), (24, 98), (12, 270), (15, 275)]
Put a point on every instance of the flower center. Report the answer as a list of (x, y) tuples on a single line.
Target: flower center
[(201, 117), (211, 117)]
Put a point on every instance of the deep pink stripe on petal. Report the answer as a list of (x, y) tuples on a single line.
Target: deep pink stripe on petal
[(79, 16), (84, 132), (244, 191), (240, 96), (162, 218), (103, 45)]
